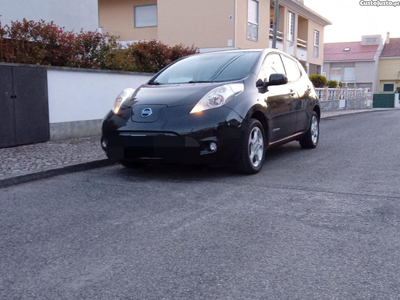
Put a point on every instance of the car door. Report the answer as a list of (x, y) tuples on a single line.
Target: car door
[(298, 89), (279, 101)]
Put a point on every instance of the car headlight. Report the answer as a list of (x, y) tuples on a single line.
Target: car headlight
[(218, 97), (125, 95)]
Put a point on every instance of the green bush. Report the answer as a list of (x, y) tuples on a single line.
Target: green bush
[(340, 84), (332, 84), (42, 43), (398, 89), (319, 81)]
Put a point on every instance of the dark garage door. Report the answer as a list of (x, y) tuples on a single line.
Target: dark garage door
[(24, 112), (383, 101)]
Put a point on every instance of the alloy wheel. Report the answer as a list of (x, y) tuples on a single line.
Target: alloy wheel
[(256, 147), (314, 130)]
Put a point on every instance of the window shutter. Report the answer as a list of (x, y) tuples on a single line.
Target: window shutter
[(146, 16)]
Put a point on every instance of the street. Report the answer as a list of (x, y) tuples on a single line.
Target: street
[(314, 224)]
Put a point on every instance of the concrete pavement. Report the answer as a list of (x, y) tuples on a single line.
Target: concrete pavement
[(314, 224)]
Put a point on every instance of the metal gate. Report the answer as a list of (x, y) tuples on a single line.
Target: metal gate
[(383, 101), (24, 112)]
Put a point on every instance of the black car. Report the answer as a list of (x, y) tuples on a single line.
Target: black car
[(220, 108)]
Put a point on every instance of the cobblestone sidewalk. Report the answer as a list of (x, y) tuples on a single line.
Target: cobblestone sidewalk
[(40, 157)]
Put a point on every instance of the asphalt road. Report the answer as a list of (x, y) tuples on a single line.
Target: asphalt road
[(314, 224)]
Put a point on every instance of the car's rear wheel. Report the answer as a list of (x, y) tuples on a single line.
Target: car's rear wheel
[(252, 150), (311, 138), (133, 164)]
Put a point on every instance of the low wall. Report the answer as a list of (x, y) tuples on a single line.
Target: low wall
[(79, 98), (330, 105)]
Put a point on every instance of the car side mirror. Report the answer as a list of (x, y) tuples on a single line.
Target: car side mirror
[(277, 79)]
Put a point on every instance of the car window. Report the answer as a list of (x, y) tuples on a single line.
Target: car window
[(272, 65), (215, 67), (292, 70)]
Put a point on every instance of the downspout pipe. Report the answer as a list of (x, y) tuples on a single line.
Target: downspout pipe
[(276, 23)]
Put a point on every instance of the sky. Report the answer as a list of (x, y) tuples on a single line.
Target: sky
[(351, 20)]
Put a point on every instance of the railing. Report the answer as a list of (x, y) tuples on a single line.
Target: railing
[(110, 32), (279, 34), (342, 94), (301, 43)]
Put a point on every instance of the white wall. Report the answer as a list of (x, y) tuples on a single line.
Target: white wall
[(82, 96), (71, 14)]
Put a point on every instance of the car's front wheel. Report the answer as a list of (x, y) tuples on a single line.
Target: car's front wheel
[(311, 138), (252, 150)]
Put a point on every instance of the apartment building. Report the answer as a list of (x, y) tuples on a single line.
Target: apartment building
[(219, 24), (389, 66), (355, 64)]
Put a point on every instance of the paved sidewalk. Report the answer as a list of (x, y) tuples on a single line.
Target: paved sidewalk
[(29, 159), (25, 163)]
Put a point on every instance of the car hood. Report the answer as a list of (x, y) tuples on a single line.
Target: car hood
[(170, 95)]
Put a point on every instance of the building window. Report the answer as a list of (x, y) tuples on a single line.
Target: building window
[(349, 74), (292, 21), (252, 20), (316, 43), (145, 16), (336, 74), (388, 87), (371, 40)]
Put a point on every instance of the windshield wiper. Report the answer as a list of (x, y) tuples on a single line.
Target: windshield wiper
[(154, 83), (199, 81)]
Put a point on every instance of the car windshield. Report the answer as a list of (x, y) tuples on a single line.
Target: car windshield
[(215, 67)]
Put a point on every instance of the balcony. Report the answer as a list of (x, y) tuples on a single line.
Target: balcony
[(302, 38), (279, 39)]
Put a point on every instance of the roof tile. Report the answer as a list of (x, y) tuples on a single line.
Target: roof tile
[(392, 49), (335, 51)]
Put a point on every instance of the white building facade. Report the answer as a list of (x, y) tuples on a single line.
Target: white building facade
[(72, 14)]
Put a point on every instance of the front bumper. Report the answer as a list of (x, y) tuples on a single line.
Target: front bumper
[(176, 137)]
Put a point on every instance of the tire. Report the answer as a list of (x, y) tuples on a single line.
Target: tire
[(253, 145), (311, 138), (133, 164)]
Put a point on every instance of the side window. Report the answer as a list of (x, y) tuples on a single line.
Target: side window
[(272, 65), (292, 70)]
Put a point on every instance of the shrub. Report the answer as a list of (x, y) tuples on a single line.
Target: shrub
[(48, 44), (332, 84), (398, 89), (318, 80), (44, 43), (340, 84), (152, 56)]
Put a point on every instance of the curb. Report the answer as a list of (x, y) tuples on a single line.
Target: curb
[(55, 172), (356, 112)]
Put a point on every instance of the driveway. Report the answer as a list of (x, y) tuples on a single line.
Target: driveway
[(314, 224)]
